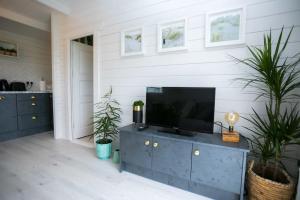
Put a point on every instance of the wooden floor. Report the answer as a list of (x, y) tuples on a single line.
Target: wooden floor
[(40, 168)]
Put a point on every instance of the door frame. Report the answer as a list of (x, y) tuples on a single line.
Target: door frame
[(97, 68)]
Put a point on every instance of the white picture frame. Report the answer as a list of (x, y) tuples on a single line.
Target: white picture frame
[(219, 33), (165, 28), (132, 42)]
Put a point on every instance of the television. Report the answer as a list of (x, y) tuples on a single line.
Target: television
[(181, 110)]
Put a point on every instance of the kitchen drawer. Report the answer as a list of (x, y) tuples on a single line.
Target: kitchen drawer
[(33, 106), (33, 96), (8, 124), (8, 105), (30, 121)]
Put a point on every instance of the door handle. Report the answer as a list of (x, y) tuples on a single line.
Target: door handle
[(155, 144), (196, 152), (147, 143), (2, 98)]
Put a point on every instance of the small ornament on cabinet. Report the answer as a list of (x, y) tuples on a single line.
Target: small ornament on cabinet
[(231, 136)]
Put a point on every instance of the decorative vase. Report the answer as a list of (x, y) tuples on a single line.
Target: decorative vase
[(264, 189), (103, 151), (138, 114), (116, 156)]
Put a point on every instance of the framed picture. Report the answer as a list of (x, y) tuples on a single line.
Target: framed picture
[(132, 42), (172, 36), (225, 27), (8, 49)]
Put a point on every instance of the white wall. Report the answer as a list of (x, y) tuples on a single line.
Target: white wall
[(199, 66), (34, 61)]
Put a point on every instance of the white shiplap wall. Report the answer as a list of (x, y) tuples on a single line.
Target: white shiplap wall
[(197, 67), (34, 61)]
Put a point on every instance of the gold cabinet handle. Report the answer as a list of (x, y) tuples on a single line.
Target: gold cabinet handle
[(155, 144), (33, 97), (33, 104), (2, 98), (196, 152), (147, 143), (33, 117)]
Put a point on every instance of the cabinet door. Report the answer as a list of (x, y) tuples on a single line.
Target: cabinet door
[(217, 167), (33, 121), (136, 149), (8, 123), (8, 105), (172, 157)]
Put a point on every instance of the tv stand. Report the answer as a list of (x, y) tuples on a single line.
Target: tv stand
[(202, 164), (177, 131)]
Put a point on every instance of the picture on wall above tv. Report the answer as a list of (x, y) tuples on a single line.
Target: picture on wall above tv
[(8, 49), (181, 109)]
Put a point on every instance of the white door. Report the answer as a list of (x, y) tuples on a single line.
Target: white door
[(82, 84)]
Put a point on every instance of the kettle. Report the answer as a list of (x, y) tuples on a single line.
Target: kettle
[(4, 86)]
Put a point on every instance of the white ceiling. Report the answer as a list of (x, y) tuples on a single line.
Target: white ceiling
[(28, 8), (36, 11)]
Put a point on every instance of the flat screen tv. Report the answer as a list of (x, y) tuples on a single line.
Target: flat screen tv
[(181, 110)]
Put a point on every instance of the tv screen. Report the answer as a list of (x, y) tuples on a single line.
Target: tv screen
[(181, 108)]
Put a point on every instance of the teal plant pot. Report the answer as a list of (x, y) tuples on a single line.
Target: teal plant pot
[(116, 156), (103, 151)]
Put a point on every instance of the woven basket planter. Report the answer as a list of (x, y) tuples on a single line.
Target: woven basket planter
[(264, 189)]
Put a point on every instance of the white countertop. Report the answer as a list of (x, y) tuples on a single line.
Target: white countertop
[(24, 92)]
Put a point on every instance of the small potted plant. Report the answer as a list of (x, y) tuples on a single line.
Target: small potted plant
[(106, 120), (138, 111)]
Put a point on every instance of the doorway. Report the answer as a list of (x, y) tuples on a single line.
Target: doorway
[(82, 89)]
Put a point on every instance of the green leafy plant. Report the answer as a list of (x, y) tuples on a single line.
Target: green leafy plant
[(106, 119), (138, 103), (276, 78)]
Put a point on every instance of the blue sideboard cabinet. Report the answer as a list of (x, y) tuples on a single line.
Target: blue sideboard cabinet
[(202, 164), (23, 114)]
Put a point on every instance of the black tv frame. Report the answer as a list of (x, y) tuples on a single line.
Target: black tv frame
[(175, 130)]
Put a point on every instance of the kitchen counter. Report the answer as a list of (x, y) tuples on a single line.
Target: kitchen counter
[(24, 92)]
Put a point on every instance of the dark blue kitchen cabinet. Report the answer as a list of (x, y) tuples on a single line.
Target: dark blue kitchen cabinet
[(34, 120), (24, 114), (8, 116), (8, 105), (202, 164), (33, 106)]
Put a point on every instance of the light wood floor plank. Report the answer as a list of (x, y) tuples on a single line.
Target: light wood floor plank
[(41, 168)]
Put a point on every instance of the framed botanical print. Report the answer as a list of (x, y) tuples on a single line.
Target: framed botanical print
[(225, 27), (172, 36), (132, 42)]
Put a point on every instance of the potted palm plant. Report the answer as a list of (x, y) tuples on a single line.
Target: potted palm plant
[(276, 79), (106, 120)]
